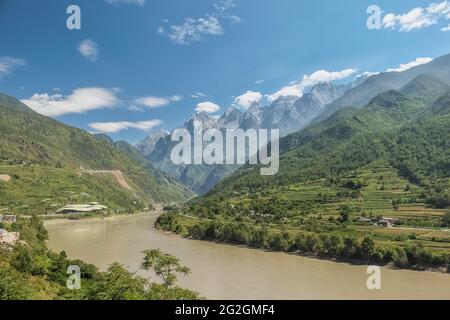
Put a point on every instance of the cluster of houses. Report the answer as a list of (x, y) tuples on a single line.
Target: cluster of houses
[(383, 222)]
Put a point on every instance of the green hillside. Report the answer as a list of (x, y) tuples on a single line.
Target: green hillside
[(51, 164), (359, 97), (390, 159), (425, 88)]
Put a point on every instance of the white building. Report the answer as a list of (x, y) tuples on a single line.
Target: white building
[(81, 208), (9, 238), (387, 222), (9, 218)]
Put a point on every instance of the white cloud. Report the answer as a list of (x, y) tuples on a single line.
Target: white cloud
[(418, 18), (176, 98), (89, 49), (446, 29), (259, 81), (117, 2), (234, 19), (207, 106), (367, 74), (292, 90), (154, 102), (8, 65), (197, 29), (194, 30), (197, 95), (326, 76), (113, 127), (80, 101), (161, 30), (297, 88), (409, 65), (248, 99), (225, 5)]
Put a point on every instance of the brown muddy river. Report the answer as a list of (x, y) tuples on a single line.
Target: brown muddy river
[(229, 272)]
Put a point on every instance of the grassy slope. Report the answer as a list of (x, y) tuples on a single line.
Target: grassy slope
[(44, 158)]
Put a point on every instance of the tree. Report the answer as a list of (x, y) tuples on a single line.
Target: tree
[(38, 224), (446, 219), (13, 284), (117, 283), (367, 247), (23, 259), (345, 213), (259, 239), (396, 204), (164, 265), (160, 292), (351, 247)]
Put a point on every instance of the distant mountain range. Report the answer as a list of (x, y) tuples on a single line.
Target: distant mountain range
[(289, 114)]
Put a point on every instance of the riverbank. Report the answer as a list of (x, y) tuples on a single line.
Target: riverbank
[(349, 261), (224, 271), (62, 220), (328, 246)]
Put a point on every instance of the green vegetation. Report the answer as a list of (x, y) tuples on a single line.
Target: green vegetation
[(31, 271), (424, 82), (164, 265), (338, 182), (446, 219), (51, 163), (342, 242)]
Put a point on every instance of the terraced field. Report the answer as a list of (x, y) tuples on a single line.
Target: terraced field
[(382, 186)]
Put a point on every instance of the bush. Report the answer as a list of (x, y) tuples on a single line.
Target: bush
[(446, 219), (13, 284)]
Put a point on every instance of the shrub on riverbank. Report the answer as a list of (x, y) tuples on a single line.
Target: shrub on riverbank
[(323, 244)]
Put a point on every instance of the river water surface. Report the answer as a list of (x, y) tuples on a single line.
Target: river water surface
[(229, 272)]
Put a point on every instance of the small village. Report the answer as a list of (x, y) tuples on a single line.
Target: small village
[(379, 222)]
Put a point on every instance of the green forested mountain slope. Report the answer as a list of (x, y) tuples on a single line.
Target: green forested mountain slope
[(438, 69), (13, 103), (442, 105), (425, 88), (52, 164)]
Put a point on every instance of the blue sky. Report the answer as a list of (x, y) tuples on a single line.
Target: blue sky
[(140, 64)]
